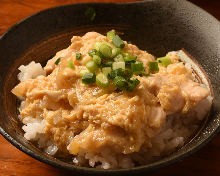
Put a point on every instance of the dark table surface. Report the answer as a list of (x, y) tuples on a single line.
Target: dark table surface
[(13, 162)]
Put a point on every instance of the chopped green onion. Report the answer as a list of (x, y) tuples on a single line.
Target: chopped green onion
[(128, 57), (118, 42), (78, 55), (132, 84), (97, 59), (111, 86), (116, 51), (95, 52), (70, 64), (83, 72), (91, 66), (106, 70), (137, 67), (120, 82), (153, 66), (92, 52), (90, 13), (57, 61), (89, 78), (117, 72), (111, 35), (107, 64), (117, 65), (105, 50), (98, 53), (102, 80), (128, 73), (119, 58), (128, 63), (107, 43), (164, 61), (97, 45)]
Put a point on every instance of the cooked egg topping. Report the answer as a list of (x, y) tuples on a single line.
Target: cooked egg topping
[(103, 92)]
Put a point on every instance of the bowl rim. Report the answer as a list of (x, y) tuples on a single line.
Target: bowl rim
[(84, 170)]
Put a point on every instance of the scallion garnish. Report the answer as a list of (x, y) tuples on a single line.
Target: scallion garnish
[(106, 70), (153, 66), (89, 78), (95, 52), (57, 61), (107, 64), (116, 52), (132, 84), (117, 72), (90, 13), (119, 58), (128, 57), (120, 82), (97, 59), (164, 61), (128, 73), (111, 35), (83, 72), (105, 50), (102, 80), (70, 64), (91, 66), (97, 45), (78, 55), (92, 52), (137, 67), (118, 42), (117, 65)]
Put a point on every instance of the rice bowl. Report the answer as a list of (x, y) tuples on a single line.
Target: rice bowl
[(168, 130), (198, 34)]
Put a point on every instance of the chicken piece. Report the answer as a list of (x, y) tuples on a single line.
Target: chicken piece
[(171, 98), (175, 88), (157, 117), (93, 138), (51, 63), (40, 83), (180, 69), (76, 44), (66, 77), (193, 94)]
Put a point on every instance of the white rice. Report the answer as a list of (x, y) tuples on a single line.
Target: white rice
[(30, 71), (32, 127), (174, 134)]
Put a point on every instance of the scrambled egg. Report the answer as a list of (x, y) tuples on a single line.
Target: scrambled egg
[(87, 117)]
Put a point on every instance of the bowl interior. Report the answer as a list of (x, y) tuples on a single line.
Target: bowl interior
[(157, 26)]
